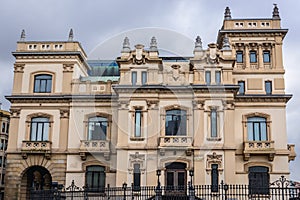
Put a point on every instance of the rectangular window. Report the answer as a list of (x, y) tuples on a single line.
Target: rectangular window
[(253, 57), (242, 87), (133, 78), (144, 78), (136, 177), (257, 129), (7, 128), (267, 56), (268, 87), (39, 129), (95, 178), (138, 123), (239, 57), (42, 83), (258, 180), (208, 77), (175, 122), (213, 123), (1, 144), (218, 77), (214, 178), (3, 127), (1, 161)]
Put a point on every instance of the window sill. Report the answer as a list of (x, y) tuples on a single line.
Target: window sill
[(214, 139), (137, 138)]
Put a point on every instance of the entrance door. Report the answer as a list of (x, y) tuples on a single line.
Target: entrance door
[(176, 177)]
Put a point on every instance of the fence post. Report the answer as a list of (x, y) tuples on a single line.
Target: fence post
[(124, 186), (191, 191)]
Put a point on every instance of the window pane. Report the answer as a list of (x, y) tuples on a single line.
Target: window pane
[(175, 122), (239, 56), (250, 131), (213, 118), (97, 128), (242, 87), (138, 122), (144, 78), (33, 131), (263, 129), (170, 179), (207, 77), (46, 132), (257, 129), (268, 87), (49, 85), (218, 77), (181, 179), (266, 56), (214, 178), (40, 128), (253, 56), (133, 78), (42, 83), (136, 177)]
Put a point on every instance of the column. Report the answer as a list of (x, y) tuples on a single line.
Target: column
[(67, 78), (247, 58), (273, 57), (64, 129), (18, 78), (260, 56)]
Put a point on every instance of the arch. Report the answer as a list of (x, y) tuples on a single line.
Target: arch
[(165, 161), (258, 164), (42, 72), (93, 163), (34, 178), (36, 115)]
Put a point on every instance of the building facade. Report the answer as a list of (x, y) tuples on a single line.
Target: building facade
[(219, 113), (4, 121)]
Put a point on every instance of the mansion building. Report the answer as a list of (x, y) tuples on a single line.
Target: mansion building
[(220, 113)]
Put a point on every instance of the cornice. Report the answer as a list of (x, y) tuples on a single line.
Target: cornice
[(263, 98)]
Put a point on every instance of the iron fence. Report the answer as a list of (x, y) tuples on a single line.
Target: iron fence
[(281, 189)]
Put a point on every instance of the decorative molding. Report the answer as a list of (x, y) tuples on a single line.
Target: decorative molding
[(15, 112), (19, 68), (64, 113), (214, 158), (137, 158), (68, 67)]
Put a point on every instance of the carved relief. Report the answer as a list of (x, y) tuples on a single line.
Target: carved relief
[(64, 113), (175, 72), (214, 158), (15, 113), (137, 159), (19, 68), (68, 67)]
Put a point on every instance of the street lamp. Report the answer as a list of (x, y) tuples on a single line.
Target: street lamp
[(158, 173), (191, 175), (124, 186)]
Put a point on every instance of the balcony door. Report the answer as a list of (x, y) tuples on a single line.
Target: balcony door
[(176, 177)]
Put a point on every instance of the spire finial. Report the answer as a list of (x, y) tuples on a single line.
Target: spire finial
[(71, 35), (23, 35), (198, 44), (226, 45), (126, 45), (275, 12), (153, 44), (227, 14)]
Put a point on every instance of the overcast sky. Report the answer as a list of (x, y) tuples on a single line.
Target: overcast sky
[(95, 22)]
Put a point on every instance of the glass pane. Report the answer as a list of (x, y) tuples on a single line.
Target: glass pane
[(263, 129), (46, 132), (239, 56), (175, 122), (40, 129), (266, 56), (144, 78), (252, 56), (214, 178), (242, 87), (170, 179), (213, 121), (218, 77), (133, 78), (181, 179), (137, 123), (250, 131), (256, 131), (207, 77), (36, 86), (268, 87), (43, 86), (49, 84)]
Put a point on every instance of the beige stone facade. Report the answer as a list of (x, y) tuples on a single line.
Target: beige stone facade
[(222, 111), (4, 122)]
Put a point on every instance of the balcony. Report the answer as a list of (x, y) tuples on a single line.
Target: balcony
[(259, 148), (94, 146), (36, 147), (176, 142), (291, 149)]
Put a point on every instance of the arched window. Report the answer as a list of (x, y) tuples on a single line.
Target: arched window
[(175, 122), (258, 180), (257, 129), (95, 178), (39, 129), (97, 128), (42, 83)]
